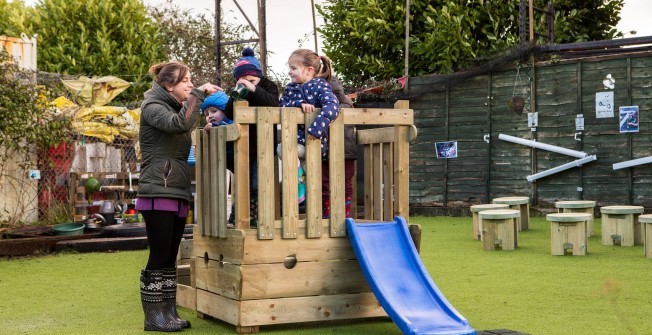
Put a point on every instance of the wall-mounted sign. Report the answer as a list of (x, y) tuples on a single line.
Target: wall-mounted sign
[(604, 104), (446, 149), (629, 119)]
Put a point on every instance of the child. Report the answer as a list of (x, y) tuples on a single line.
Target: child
[(213, 109), (262, 92), (308, 90)]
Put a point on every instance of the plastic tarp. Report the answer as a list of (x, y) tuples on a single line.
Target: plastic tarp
[(90, 116)]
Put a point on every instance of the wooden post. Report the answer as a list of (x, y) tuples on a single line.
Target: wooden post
[(313, 184), (290, 178), (336, 177), (265, 129), (402, 166)]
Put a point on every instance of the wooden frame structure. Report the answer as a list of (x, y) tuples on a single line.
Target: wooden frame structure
[(292, 267)]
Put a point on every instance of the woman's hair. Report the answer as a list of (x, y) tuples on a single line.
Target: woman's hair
[(322, 64), (168, 73)]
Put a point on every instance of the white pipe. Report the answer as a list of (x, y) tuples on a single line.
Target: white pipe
[(632, 162), (560, 168), (543, 146)]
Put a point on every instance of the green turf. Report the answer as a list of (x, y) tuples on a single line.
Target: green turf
[(527, 290)]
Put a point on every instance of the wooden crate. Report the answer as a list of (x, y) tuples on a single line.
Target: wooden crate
[(250, 282)]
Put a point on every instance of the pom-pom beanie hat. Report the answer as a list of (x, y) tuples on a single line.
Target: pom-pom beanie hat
[(217, 100), (247, 65)]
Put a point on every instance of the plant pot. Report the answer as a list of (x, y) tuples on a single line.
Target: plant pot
[(516, 104)]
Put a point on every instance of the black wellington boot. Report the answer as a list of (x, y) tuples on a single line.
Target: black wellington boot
[(151, 295), (170, 296)]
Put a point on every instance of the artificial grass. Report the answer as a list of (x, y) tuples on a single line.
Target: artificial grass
[(527, 290)]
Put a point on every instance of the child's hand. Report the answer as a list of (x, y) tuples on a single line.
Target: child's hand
[(249, 85), (209, 88), (312, 138), (307, 108), (208, 126)]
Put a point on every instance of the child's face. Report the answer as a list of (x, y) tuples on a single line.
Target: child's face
[(214, 115), (300, 74), (252, 79)]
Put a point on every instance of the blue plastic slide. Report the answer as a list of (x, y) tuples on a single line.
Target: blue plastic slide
[(399, 280)]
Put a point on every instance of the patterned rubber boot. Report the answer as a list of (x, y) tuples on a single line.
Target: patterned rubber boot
[(151, 295), (169, 290), (326, 208)]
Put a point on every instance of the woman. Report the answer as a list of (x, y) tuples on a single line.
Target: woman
[(168, 113)]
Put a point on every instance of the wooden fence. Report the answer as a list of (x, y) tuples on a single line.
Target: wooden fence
[(474, 111)]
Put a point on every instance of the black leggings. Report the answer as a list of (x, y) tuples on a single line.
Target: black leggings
[(164, 233)]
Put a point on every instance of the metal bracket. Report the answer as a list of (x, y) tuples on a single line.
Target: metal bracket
[(486, 138)]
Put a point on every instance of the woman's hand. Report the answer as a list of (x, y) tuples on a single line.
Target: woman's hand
[(209, 88), (307, 108)]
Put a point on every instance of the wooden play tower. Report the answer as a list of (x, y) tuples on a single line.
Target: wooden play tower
[(294, 266)]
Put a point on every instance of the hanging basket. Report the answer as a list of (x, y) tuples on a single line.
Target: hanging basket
[(516, 104)]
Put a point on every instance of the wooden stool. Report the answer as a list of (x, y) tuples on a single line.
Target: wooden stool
[(521, 204), (499, 228), (646, 221), (620, 225), (475, 209), (578, 206), (568, 231)]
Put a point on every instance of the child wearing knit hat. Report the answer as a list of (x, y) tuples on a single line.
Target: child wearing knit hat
[(262, 93), (213, 109)]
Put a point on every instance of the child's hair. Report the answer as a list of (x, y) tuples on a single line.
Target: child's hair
[(322, 64), (168, 73)]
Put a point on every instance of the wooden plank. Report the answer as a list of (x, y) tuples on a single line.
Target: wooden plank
[(336, 177), (317, 308), (313, 181), (187, 297), (185, 250), (377, 176), (242, 247), (265, 139), (289, 166), (368, 182), (267, 281), (199, 187), (214, 186), (207, 214), (289, 310), (401, 168), (225, 309), (388, 182), (382, 135), (222, 187), (355, 116), (241, 194)]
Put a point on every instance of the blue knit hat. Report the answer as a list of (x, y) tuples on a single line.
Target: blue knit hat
[(217, 100), (247, 65)]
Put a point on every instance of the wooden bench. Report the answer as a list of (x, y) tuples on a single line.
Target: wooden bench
[(568, 232), (646, 221), (620, 225), (499, 228), (579, 206), (475, 209), (521, 204)]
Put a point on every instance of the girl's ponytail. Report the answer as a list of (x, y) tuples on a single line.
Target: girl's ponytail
[(326, 68)]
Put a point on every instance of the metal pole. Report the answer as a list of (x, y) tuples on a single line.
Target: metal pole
[(262, 27), (218, 39), (407, 44), (314, 25)]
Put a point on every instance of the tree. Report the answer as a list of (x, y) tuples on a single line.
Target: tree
[(365, 38), (94, 38), (27, 126), (190, 38)]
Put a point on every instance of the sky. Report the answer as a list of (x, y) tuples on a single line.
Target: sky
[(290, 21)]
